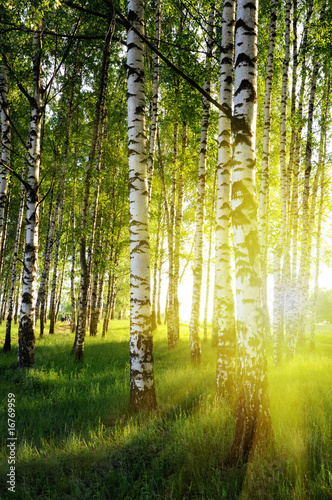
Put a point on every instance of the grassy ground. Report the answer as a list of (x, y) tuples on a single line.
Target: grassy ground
[(76, 440)]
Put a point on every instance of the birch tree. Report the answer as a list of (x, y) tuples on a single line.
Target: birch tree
[(253, 424), (142, 388), (224, 320)]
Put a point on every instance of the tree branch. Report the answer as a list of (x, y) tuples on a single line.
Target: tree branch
[(25, 184)]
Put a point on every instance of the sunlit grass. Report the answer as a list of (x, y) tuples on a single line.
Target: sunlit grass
[(77, 440)]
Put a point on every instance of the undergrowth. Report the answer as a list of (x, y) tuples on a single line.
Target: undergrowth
[(76, 439)]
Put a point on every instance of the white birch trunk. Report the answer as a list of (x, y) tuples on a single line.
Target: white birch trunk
[(26, 332), (253, 424), (7, 344), (224, 319), (142, 388), (5, 148)]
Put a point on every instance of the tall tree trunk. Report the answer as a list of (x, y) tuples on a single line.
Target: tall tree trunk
[(26, 331), (224, 320), (155, 99), (96, 143), (58, 297), (41, 289), (73, 264), (53, 316), (212, 225), (195, 345), (160, 266), (278, 303), (142, 387), (177, 235), (155, 272), (292, 331), (264, 185), (7, 344), (253, 422), (5, 148)]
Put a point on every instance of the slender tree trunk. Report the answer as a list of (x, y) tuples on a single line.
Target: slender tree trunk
[(317, 261), (177, 235), (26, 332), (195, 345), (18, 287), (5, 148), (142, 388), (7, 344), (42, 288), (53, 317), (294, 306), (161, 256), (264, 185), (59, 294), (253, 422), (155, 272), (212, 225), (278, 304), (224, 299), (155, 99), (96, 143), (73, 265)]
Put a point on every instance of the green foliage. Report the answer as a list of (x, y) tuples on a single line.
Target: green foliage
[(77, 440)]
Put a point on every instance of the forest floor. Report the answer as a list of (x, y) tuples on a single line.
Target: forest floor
[(76, 439)]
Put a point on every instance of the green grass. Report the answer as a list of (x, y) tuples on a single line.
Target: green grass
[(76, 439)]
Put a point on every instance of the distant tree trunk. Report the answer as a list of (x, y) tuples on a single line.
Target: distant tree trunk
[(292, 331), (18, 287), (321, 166), (96, 143), (253, 421), (161, 256), (155, 271), (317, 262), (7, 344), (26, 332), (73, 264), (42, 290), (212, 221), (155, 99), (292, 200), (53, 317), (94, 310), (177, 235), (171, 332), (224, 320), (264, 185), (304, 269), (58, 298), (142, 388), (46, 270), (278, 304), (195, 345)]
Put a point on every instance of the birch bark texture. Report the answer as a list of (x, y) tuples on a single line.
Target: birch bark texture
[(5, 147), (253, 424), (26, 331), (224, 321), (142, 388)]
